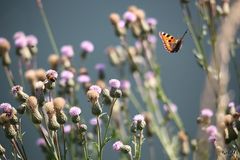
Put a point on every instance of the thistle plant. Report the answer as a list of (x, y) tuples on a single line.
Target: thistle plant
[(50, 99)]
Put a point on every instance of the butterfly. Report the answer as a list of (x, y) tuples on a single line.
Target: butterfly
[(171, 44)]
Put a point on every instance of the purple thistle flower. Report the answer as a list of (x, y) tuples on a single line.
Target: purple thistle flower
[(206, 112), (212, 138), (5, 107), (74, 111), (21, 42), (83, 78), (32, 40), (231, 104), (96, 88), (66, 75), (125, 84), (152, 21), (16, 89), (129, 16), (67, 128), (211, 130), (51, 74), (40, 142), (100, 67), (18, 35), (138, 118), (93, 121), (67, 50), (121, 23), (114, 83), (87, 46), (172, 106), (152, 39), (117, 146), (149, 75)]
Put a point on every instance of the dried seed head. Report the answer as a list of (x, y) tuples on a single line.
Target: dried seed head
[(49, 108), (53, 124), (53, 60), (101, 84), (32, 103), (10, 131), (30, 75), (40, 74), (51, 75), (59, 103), (140, 14), (92, 96), (132, 8), (39, 85), (182, 136), (4, 46), (83, 71), (114, 18), (4, 118)]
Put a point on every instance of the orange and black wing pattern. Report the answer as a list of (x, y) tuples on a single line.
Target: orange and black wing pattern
[(170, 43)]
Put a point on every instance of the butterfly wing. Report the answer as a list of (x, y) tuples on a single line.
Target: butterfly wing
[(171, 44)]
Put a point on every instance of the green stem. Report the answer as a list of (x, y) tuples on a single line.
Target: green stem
[(9, 76), (64, 143), (99, 139), (47, 26)]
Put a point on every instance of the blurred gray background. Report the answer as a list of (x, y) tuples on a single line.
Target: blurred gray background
[(74, 21)]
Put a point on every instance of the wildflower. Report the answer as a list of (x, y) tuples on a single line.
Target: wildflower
[(129, 16), (4, 51), (152, 39), (75, 114), (114, 18), (67, 77), (87, 46), (96, 88), (67, 128), (83, 79), (115, 92), (83, 128), (117, 146), (21, 42), (51, 113), (31, 40), (5, 107), (125, 87), (100, 67), (51, 75), (212, 130), (212, 138), (150, 79), (67, 50), (101, 84), (152, 22), (18, 35), (126, 149), (206, 113), (40, 74), (32, 104), (139, 121), (121, 24), (22, 48), (17, 91), (39, 92), (53, 60), (93, 121), (41, 142)]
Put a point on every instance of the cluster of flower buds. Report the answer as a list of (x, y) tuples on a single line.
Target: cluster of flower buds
[(138, 123), (119, 146), (9, 120), (75, 114), (52, 118), (32, 105), (59, 104), (93, 95), (115, 91)]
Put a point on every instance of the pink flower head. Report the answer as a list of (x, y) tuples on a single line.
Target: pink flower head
[(16, 89), (121, 23), (67, 50), (231, 104), (212, 130), (18, 35), (21, 42), (96, 88), (172, 106), (100, 67), (83, 78), (129, 16), (66, 75), (138, 45), (138, 118), (75, 111), (32, 40), (212, 139), (206, 113), (117, 146), (40, 142), (51, 75), (87, 46), (67, 128), (5, 107), (152, 39), (152, 21), (114, 83), (149, 75), (93, 121), (125, 84)]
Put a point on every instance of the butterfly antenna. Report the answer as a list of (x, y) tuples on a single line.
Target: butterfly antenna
[(184, 34)]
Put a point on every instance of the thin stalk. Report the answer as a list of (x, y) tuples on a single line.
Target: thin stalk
[(64, 143), (47, 27), (4, 157), (99, 141), (130, 156), (57, 145), (151, 149), (85, 150), (9, 76), (139, 146), (15, 146), (20, 71), (135, 145)]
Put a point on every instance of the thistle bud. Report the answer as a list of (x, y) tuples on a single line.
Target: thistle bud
[(19, 94), (40, 74), (53, 60), (22, 108), (32, 104), (126, 149), (51, 78), (75, 114), (115, 92), (139, 121), (4, 51), (10, 131), (114, 18), (22, 49), (83, 128), (96, 109), (32, 42), (92, 96), (106, 96)]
